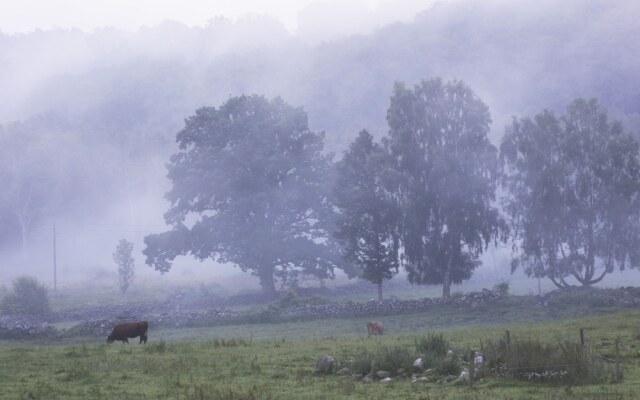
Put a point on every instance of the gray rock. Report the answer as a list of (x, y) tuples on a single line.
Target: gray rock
[(324, 365), (366, 379), (382, 374), (344, 371)]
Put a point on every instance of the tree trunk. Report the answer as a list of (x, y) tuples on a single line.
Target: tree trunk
[(446, 283), (266, 280), (380, 290)]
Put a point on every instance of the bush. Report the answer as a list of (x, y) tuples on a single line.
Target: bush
[(502, 288), (433, 346), (565, 362), (292, 299), (448, 366), (27, 297), (382, 359)]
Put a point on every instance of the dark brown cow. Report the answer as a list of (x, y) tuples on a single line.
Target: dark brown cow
[(375, 328), (129, 330)]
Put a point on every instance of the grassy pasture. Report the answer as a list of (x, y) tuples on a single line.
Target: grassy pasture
[(276, 361)]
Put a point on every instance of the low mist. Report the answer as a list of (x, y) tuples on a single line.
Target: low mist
[(88, 118)]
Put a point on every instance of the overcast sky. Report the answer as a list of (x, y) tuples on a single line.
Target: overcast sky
[(21, 16)]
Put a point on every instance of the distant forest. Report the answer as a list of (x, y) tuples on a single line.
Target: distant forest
[(88, 120)]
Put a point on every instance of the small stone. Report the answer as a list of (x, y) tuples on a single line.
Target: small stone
[(385, 380), (344, 371), (382, 374), (324, 365), (357, 377), (366, 379)]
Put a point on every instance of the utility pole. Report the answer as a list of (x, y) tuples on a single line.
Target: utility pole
[(55, 267)]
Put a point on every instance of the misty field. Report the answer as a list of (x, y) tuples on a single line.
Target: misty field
[(247, 362)]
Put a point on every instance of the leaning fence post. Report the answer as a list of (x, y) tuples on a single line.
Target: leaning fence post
[(582, 336), (472, 365), (508, 338), (618, 371)]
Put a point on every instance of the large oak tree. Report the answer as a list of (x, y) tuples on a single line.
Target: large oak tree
[(249, 187)]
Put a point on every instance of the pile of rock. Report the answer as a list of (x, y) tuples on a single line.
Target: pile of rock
[(23, 327), (392, 305), (100, 320)]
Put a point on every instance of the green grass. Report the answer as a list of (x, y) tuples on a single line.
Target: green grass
[(276, 361)]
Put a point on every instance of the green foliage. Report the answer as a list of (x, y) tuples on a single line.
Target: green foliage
[(255, 178), (126, 264), (446, 177), (434, 345), (291, 299), (502, 288), (26, 297), (573, 186), (448, 366), (367, 223), (383, 358), (532, 359), (436, 353)]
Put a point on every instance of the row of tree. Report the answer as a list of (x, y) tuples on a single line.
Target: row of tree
[(251, 186)]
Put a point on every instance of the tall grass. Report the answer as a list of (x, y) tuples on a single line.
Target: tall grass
[(384, 358), (531, 359)]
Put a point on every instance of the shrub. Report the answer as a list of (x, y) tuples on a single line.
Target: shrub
[(448, 366), (291, 299), (27, 297), (433, 346), (502, 288), (529, 359), (382, 359)]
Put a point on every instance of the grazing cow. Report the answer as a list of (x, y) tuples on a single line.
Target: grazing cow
[(375, 328), (129, 330)]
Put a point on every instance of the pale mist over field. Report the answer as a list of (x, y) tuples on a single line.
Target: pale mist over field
[(93, 94)]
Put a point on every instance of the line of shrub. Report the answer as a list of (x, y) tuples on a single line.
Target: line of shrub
[(523, 359)]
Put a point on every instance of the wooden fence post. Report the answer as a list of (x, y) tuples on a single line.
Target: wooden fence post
[(508, 338), (472, 367), (618, 371), (582, 336)]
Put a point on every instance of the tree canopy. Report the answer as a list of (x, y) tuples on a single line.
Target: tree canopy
[(367, 224), (249, 187), (573, 186), (447, 173)]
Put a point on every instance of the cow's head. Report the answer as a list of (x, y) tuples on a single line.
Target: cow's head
[(110, 339)]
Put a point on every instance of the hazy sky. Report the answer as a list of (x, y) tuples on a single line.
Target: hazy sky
[(20, 16)]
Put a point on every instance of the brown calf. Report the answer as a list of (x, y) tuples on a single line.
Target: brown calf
[(128, 330), (375, 328)]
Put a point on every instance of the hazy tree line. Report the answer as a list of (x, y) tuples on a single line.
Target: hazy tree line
[(94, 124), (252, 187)]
